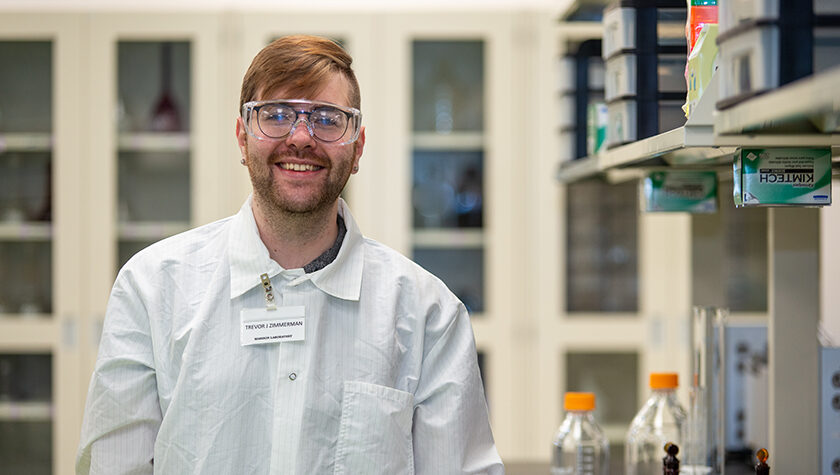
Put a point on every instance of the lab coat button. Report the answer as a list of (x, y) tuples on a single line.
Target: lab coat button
[(292, 376)]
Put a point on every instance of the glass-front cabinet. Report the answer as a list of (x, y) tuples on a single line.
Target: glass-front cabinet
[(154, 164), (153, 142), (40, 257), (452, 126), (447, 164), (100, 131)]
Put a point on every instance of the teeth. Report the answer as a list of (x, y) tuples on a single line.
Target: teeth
[(298, 167)]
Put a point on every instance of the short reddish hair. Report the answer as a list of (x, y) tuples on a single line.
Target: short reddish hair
[(300, 64)]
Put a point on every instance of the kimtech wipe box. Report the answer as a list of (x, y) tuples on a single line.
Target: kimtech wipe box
[(680, 190), (782, 176)]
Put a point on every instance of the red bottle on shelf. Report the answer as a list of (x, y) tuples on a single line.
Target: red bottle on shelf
[(701, 12)]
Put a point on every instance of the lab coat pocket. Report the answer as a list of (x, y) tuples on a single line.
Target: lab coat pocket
[(374, 435)]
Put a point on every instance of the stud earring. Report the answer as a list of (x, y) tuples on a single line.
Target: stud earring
[(242, 161), (355, 168)]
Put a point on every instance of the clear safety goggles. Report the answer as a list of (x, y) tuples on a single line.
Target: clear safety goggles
[(325, 122)]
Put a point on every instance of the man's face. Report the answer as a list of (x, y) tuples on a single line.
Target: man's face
[(298, 174)]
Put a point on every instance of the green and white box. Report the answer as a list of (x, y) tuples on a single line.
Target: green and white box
[(680, 190), (782, 176)]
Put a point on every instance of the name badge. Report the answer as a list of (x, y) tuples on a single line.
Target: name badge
[(260, 326)]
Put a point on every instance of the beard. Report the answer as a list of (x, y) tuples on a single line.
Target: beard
[(284, 201)]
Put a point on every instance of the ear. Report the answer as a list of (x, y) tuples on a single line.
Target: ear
[(359, 147), (241, 137)]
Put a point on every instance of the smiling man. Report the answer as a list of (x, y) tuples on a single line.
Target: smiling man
[(281, 340)]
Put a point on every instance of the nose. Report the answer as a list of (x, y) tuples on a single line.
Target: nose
[(300, 136)]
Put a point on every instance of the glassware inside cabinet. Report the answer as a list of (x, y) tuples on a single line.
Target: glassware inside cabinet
[(26, 124), (25, 278), (154, 85), (25, 446), (25, 87), (154, 186), (154, 142), (448, 164), (26, 413), (448, 190), (601, 247), (25, 377), (25, 187), (462, 269), (25, 128), (448, 78)]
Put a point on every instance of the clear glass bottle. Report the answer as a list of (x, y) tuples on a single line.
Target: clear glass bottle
[(660, 420), (580, 446)]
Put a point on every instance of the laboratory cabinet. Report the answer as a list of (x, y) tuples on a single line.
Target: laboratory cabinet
[(41, 256), (152, 164), (457, 148), (101, 123)]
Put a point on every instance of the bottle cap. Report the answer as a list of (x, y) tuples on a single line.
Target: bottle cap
[(579, 401), (762, 468), (664, 380)]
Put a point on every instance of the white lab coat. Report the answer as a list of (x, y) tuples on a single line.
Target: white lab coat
[(386, 380)]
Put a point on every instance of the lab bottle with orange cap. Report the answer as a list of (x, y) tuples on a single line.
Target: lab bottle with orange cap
[(580, 446), (661, 420)]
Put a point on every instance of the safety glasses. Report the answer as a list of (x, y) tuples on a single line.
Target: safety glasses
[(325, 122)]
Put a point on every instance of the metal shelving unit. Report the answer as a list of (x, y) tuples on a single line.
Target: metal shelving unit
[(801, 113), (700, 143), (811, 102), (804, 113)]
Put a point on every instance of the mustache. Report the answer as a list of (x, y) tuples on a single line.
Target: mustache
[(308, 155)]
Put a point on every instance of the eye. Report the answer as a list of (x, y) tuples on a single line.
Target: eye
[(277, 114), (327, 117)]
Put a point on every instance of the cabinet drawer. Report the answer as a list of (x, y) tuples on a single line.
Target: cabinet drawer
[(748, 63), (732, 13), (619, 30)]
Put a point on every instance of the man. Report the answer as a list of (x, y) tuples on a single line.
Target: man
[(281, 340)]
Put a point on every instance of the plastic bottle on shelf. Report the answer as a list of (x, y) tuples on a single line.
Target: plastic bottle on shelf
[(701, 12), (661, 420), (580, 446)]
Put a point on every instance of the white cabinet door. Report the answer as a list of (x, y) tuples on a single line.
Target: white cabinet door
[(455, 158), (41, 255), (155, 165)]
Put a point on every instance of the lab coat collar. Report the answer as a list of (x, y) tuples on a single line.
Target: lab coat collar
[(249, 258)]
